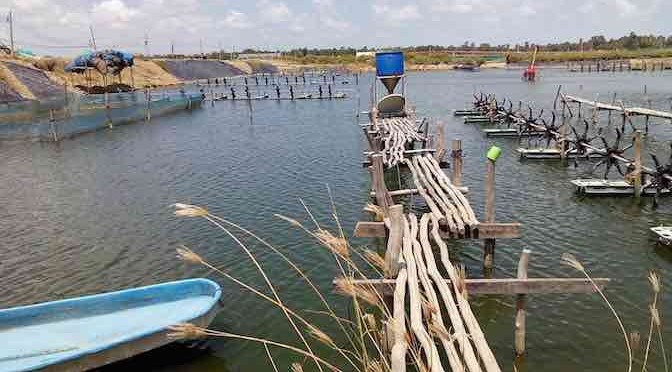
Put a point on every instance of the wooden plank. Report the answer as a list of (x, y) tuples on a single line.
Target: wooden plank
[(519, 323), (406, 192), (371, 229), (628, 110), (649, 112), (406, 152), (443, 164), (598, 105), (508, 286)]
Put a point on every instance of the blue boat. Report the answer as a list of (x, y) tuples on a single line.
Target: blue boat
[(82, 333)]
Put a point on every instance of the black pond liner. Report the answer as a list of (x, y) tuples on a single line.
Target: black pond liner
[(7, 94), (200, 69), (36, 81)]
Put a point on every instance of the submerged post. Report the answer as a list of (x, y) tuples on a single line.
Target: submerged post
[(489, 244), (519, 333)]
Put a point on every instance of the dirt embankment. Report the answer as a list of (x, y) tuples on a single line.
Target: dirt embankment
[(43, 78)]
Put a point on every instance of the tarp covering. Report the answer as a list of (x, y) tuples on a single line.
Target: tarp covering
[(106, 62)]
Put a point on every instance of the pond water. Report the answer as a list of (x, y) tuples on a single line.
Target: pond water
[(92, 214)]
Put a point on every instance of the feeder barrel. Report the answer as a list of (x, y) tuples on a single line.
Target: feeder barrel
[(389, 64)]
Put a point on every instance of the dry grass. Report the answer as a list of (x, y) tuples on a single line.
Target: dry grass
[(633, 339), (358, 343), (362, 351)]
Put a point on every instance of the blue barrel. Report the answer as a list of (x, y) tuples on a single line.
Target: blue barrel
[(389, 64)]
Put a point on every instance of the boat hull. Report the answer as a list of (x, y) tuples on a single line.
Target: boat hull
[(88, 332)]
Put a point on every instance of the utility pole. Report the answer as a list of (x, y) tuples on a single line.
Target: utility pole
[(200, 43), (219, 47), (146, 44), (93, 38), (10, 19), (233, 51), (172, 48)]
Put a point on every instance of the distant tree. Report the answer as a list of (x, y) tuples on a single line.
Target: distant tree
[(631, 41)]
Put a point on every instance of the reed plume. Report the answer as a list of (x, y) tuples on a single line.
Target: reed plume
[(570, 260)]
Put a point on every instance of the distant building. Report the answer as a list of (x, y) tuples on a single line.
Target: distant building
[(365, 54), (258, 55)]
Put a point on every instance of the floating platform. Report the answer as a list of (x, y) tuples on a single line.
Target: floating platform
[(664, 234), (476, 119), (501, 132), (551, 153), (601, 187), (466, 113)]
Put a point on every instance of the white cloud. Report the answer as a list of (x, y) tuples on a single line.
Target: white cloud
[(392, 12), (274, 12), (329, 17), (113, 13), (236, 19), (45, 26)]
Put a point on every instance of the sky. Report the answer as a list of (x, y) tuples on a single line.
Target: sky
[(61, 27)]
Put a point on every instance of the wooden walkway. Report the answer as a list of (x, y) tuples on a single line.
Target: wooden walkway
[(631, 111), (427, 308)]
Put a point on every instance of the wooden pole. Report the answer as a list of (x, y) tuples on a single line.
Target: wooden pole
[(489, 244), (394, 241), (637, 174), (148, 113), (10, 19), (439, 139), (456, 171), (52, 124), (107, 109), (563, 137), (66, 100), (648, 117), (519, 333), (383, 199)]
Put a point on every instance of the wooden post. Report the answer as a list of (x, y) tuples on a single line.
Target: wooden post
[(148, 113), (383, 198), (563, 139), (489, 244), (440, 151), (52, 124), (519, 333), (456, 171), (66, 100), (647, 117), (394, 240), (107, 109), (579, 110), (637, 174)]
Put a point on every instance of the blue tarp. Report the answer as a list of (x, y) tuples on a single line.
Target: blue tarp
[(106, 62)]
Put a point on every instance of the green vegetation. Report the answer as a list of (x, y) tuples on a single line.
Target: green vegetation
[(615, 54)]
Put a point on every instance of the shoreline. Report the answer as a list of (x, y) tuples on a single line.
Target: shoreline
[(165, 73)]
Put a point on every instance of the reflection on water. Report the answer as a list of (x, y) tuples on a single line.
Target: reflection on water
[(92, 214)]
